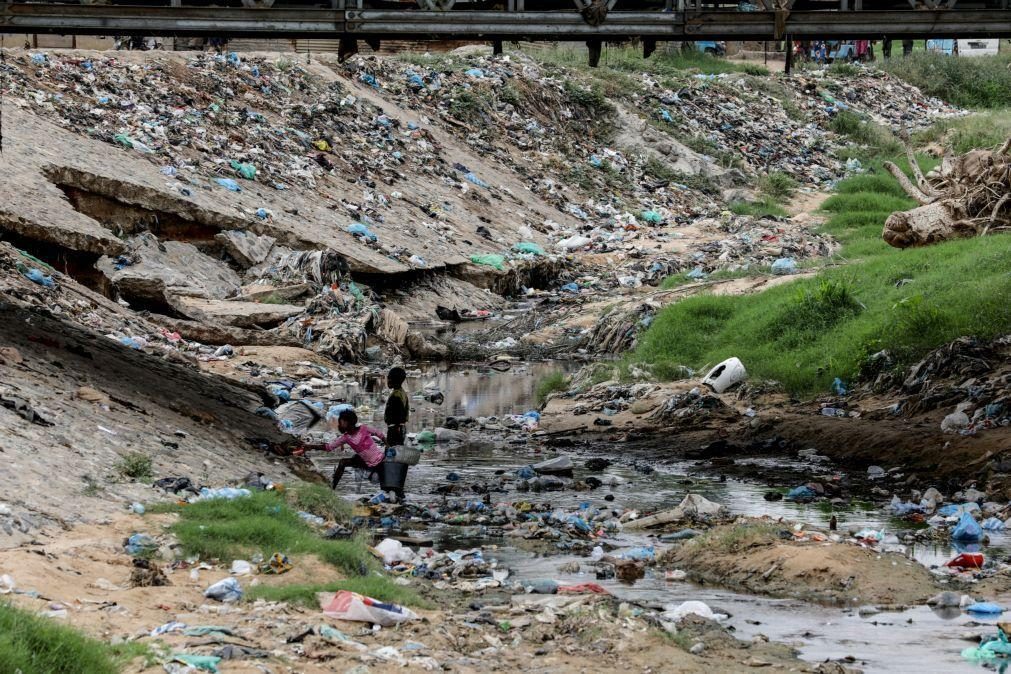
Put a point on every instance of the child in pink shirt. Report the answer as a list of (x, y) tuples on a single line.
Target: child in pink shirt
[(359, 438)]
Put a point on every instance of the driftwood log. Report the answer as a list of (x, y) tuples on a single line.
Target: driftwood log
[(965, 196)]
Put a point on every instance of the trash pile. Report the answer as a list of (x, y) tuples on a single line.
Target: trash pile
[(244, 122), (886, 99), (751, 243), (965, 373), (751, 129), (523, 114)]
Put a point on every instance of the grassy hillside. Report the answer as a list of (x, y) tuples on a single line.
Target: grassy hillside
[(806, 333), (980, 82)]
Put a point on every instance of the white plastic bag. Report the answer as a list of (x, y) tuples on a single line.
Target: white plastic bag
[(227, 590), (676, 613), (347, 605), (394, 551)]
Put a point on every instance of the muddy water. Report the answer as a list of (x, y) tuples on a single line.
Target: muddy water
[(893, 642)]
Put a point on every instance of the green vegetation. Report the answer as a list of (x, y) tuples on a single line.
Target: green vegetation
[(265, 522), (961, 134), (378, 587), (736, 538), (678, 280), (627, 58), (552, 383), (763, 208), (805, 333), (659, 170), (980, 82), (136, 466), (871, 140), (319, 500), (466, 105), (592, 98), (842, 69), (778, 185), (31, 643)]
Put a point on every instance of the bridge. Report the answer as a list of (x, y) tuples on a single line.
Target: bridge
[(512, 23), (687, 20)]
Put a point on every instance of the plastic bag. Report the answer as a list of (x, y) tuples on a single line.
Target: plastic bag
[(784, 265), (984, 608), (298, 417), (208, 663), (652, 217), (529, 248), (489, 260), (676, 613), (358, 229), (247, 171), (347, 605), (227, 590), (394, 551), (967, 530)]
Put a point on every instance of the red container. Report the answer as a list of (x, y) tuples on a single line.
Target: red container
[(967, 560)]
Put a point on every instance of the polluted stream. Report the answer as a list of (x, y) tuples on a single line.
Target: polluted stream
[(888, 641)]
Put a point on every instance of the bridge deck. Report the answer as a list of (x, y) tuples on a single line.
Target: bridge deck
[(281, 22)]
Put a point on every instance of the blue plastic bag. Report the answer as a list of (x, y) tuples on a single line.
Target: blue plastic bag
[(801, 494), (992, 524), (967, 530), (984, 608), (229, 184), (358, 229), (784, 265)]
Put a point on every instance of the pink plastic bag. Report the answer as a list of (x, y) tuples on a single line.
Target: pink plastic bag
[(347, 605)]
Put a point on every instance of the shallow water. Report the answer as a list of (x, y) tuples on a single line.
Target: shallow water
[(893, 642)]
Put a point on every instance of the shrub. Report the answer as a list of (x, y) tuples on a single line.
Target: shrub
[(135, 466)]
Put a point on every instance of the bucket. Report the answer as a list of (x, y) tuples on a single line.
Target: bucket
[(392, 476)]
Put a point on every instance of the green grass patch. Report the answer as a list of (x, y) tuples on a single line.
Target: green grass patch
[(804, 334), (32, 643), (626, 58), (553, 382), (763, 208), (319, 500), (961, 134), (870, 140), (678, 280), (266, 522), (979, 82), (377, 587)]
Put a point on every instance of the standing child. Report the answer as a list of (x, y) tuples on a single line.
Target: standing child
[(359, 437), (398, 408)]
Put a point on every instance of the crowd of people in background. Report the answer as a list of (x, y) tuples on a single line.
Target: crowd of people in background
[(847, 51)]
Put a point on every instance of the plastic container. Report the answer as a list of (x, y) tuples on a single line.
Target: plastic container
[(967, 560), (409, 456), (726, 374)]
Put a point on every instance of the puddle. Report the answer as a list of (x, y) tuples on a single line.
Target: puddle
[(892, 642)]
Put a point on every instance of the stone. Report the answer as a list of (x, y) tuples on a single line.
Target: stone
[(173, 267), (246, 248), (235, 313)]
